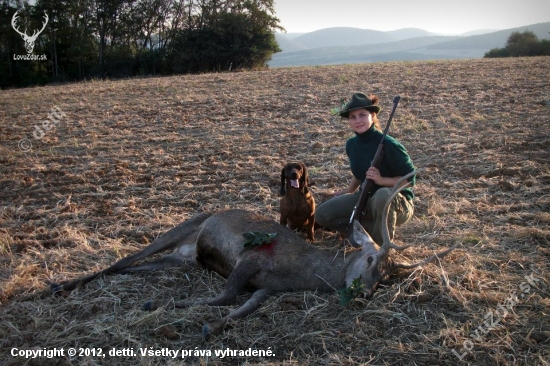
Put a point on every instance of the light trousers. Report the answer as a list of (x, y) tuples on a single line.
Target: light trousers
[(335, 213)]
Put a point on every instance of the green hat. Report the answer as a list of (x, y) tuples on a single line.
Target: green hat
[(359, 101)]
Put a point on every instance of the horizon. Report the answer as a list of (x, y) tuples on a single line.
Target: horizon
[(434, 16), (395, 30)]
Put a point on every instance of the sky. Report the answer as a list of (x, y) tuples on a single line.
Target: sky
[(437, 16)]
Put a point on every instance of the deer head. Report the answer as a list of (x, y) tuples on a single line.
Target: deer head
[(29, 40), (378, 266)]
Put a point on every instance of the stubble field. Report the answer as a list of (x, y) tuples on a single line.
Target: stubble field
[(128, 160)]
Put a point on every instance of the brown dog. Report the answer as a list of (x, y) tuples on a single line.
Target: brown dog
[(297, 204)]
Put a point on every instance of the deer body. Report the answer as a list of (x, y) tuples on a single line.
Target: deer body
[(288, 263), (278, 266)]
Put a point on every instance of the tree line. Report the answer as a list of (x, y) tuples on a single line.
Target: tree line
[(85, 39), (522, 44)]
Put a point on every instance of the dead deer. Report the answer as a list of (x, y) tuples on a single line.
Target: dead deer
[(288, 263)]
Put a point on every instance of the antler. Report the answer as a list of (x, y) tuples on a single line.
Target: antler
[(24, 35), (36, 33), (427, 260), (387, 244), (14, 24)]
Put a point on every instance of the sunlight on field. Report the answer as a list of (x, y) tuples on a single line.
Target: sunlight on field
[(130, 159)]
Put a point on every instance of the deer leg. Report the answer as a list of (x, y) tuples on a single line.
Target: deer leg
[(177, 237), (240, 275), (168, 261), (238, 278), (216, 326), (184, 254), (117, 267)]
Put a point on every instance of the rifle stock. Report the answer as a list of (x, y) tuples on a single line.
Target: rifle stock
[(367, 184)]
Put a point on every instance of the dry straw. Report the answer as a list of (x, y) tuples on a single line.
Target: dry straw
[(133, 158)]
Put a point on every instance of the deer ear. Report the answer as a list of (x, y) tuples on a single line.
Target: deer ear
[(361, 236)]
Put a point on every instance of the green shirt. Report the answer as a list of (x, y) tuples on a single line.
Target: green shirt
[(395, 160)]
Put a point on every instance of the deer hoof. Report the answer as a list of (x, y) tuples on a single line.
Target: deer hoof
[(212, 328), (56, 289)]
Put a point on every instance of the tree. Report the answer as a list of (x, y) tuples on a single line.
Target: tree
[(522, 44), (234, 34), (120, 38)]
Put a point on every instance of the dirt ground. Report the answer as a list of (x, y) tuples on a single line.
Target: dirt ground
[(124, 161)]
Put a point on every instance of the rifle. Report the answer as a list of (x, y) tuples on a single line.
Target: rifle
[(368, 183)]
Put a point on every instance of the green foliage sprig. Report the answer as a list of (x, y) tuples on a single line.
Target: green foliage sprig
[(347, 294), (254, 238), (336, 111)]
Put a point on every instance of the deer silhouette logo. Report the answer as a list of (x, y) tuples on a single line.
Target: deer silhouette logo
[(29, 40)]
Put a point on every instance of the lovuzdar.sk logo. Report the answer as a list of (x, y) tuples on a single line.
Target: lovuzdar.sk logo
[(29, 40)]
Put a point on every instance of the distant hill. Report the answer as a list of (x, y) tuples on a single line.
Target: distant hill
[(342, 36), (478, 32), (351, 45), (292, 35), (287, 44), (492, 40), (407, 33), (356, 54)]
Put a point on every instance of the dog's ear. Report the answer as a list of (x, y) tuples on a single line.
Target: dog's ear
[(304, 180), (283, 190)]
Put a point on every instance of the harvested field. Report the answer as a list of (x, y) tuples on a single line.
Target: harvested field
[(130, 159)]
